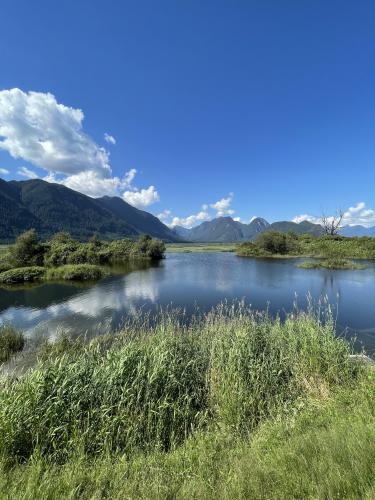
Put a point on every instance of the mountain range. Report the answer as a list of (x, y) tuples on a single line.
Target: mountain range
[(227, 230), (50, 208)]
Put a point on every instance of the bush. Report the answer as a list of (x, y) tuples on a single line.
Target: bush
[(79, 272), (27, 251), (277, 243), (11, 341), (75, 272), (22, 275), (60, 250)]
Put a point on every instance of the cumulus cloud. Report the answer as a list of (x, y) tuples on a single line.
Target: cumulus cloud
[(26, 172), (222, 206), (92, 184), (359, 214), (142, 198), (190, 220), (4, 171), (356, 215), (49, 135), (109, 138), (38, 129), (164, 215)]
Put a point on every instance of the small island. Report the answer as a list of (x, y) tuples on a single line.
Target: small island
[(328, 251), (63, 258)]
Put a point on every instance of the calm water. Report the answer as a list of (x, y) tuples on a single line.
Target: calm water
[(191, 280)]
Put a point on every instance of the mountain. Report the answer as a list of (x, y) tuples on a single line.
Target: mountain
[(357, 231), (227, 230), (144, 222), (304, 227), (50, 208), (222, 230), (182, 232)]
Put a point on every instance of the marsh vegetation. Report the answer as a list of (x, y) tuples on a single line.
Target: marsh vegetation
[(63, 258), (335, 250), (206, 409)]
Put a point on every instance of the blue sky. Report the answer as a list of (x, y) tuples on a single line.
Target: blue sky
[(216, 107)]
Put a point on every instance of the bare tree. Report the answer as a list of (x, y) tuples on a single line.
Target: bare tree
[(332, 224)]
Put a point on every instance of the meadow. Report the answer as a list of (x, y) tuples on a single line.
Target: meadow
[(232, 405)]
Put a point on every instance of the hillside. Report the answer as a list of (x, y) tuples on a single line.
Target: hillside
[(357, 231), (227, 230), (304, 227), (222, 230), (50, 208)]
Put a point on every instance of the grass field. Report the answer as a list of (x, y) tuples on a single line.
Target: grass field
[(200, 247)]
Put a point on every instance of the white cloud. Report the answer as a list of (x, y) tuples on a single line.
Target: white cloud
[(357, 215), (38, 129), (26, 172), (190, 220), (237, 219), (142, 198), (49, 135), (164, 215), (4, 171), (129, 177), (92, 184), (109, 138), (222, 206), (303, 217)]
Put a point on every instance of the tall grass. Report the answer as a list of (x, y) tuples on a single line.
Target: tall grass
[(151, 386), (11, 341)]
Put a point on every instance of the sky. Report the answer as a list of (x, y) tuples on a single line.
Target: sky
[(193, 109)]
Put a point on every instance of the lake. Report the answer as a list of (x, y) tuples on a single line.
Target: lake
[(191, 281)]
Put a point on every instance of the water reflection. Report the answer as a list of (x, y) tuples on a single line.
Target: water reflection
[(188, 280)]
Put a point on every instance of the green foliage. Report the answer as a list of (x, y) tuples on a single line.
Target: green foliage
[(151, 388), (77, 272), (22, 275), (64, 250), (11, 341), (150, 248), (277, 243), (328, 247), (66, 258), (234, 406), (27, 251)]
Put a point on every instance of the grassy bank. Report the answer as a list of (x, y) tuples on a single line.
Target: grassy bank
[(331, 248), (63, 258), (200, 247), (235, 405)]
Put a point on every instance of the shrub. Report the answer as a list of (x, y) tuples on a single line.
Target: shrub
[(11, 341), (60, 251), (277, 243), (78, 272), (22, 275), (150, 248), (27, 251)]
